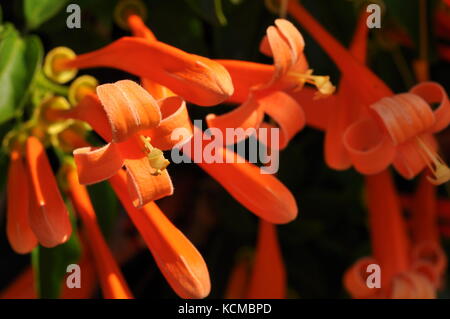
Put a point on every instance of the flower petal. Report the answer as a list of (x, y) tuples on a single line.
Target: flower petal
[(97, 164), (433, 92), (287, 114), (409, 160), (179, 261), (268, 260), (129, 107), (249, 115), (412, 285), (195, 78), (20, 235), (142, 185), (369, 149), (404, 116), (49, 218), (112, 282), (175, 116)]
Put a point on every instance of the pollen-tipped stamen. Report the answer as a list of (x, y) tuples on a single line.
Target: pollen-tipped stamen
[(435, 163), (155, 156), (321, 82)]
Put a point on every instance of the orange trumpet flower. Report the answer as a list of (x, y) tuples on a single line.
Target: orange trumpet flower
[(18, 230), (390, 129), (195, 78), (261, 88), (400, 278), (179, 261), (251, 280), (48, 215), (129, 110), (111, 279)]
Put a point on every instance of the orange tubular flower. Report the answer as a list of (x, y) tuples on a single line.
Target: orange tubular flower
[(265, 278), (179, 261), (262, 194), (427, 252), (48, 216), (390, 129), (130, 110), (20, 235), (390, 245), (260, 88), (111, 279), (195, 78)]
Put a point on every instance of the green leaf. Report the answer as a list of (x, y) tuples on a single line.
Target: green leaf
[(38, 11), (50, 264), (21, 59)]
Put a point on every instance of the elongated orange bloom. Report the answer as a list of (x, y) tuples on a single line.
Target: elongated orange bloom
[(262, 194), (391, 249), (48, 215), (195, 78), (265, 277), (427, 252), (179, 261), (112, 282), (268, 279), (129, 110), (260, 87), (389, 129), (18, 230)]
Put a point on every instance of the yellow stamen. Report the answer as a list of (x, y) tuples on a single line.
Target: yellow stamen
[(437, 166), (321, 82), (155, 156), (53, 68)]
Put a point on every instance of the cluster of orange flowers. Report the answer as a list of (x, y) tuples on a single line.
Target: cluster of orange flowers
[(366, 126)]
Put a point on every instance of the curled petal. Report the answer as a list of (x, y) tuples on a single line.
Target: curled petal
[(287, 114), (355, 279), (139, 29), (129, 108), (409, 160), (268, 260), (404, 116), (49, 218), (249, 115), (179, 261), (112, 282), (433, 92), (143, 184), (91, 111), (195, 78), (18, 230), (411, 285), (370, 150), (97, 164), (175, 116)]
